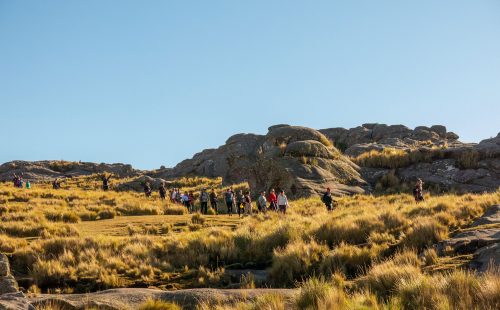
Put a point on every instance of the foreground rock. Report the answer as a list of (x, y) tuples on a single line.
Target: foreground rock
[(297, 159), (482, 239), (10, 297), (132, 298)]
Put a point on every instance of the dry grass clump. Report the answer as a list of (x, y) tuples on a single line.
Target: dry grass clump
[(383, 278), (392, 158), (424, 233), (348, 259), (297, 261), (154, 304), (175, 210), (316, 293)]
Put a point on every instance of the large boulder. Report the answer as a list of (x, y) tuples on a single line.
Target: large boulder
[(300, 160)]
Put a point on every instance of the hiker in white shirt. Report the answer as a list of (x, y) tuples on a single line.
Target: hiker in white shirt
[(282, 202)]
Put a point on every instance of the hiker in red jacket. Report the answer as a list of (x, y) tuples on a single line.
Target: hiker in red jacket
[(273, 200)]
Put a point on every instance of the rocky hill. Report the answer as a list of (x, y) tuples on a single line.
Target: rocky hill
[(304, 161), (50, 169)]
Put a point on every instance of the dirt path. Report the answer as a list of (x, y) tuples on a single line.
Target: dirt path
[(118, 225)]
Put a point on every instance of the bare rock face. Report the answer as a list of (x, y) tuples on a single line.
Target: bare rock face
[(482, 239), (297, 159)]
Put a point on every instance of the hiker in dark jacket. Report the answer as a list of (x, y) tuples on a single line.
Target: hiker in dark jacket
[(229, 198), (204, 197), (105, 182), (328, 200), (163, 191), (213, 201), (240, 202)]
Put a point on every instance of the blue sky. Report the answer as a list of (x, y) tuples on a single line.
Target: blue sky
[(153, 82)]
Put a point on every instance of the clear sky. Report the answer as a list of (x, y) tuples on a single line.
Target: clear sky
[(151, 83)]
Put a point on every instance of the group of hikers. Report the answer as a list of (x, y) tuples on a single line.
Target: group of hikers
[(19, 182), (238, 201)]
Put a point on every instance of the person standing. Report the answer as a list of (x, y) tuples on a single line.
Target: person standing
[(273, 200), (163, 191), (282, 202), (28, 184), (328, 199), (229, 198), (418, 191), (105, 182), (185, 201), (191, 201), (262, 202), (240, 202), (248, 203), (213, 201), (204, 201)]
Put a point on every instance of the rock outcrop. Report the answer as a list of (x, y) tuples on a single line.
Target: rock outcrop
[(367, 137), (132, 298), (50, 169), (482, 240), (299, 160)]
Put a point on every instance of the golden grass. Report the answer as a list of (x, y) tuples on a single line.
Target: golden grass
[(59, 238)]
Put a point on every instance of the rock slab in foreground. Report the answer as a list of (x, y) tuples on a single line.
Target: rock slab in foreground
[(482, 240)]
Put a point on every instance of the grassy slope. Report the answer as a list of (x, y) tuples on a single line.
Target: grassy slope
[(57, 239)]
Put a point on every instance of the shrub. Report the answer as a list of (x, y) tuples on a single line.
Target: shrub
[(349, 230), (468, 159), (296, 261), (269, 302), (67, 217), (462, 289), (348, 259), (106, 214), (318, 294), (421, 293), (489, 290), (197, 218), (424, 233), (175, 210), (158, 305), (382, 279)]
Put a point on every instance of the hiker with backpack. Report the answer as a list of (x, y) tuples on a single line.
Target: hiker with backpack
[(56, 184), (185, 201), (213, 201), (273, 200), (163, 191), (282, 202), (418, 191), (248, 203), (240, 202), (191, 201), (328, 199), (229, 198), (262, 203), (204, 197)]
